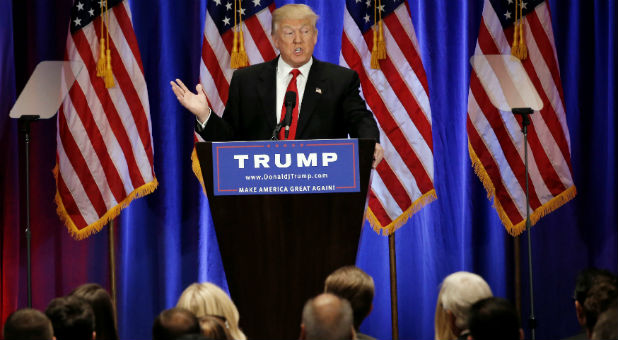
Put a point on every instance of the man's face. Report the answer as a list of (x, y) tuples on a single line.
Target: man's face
[(295, 40)]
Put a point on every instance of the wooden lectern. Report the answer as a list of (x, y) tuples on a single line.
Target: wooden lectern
[(277, 250)]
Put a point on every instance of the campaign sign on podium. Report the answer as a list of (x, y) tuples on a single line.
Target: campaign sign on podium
[(285, 167)]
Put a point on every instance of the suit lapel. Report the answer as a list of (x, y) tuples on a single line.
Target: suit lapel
[(268, 82), (312, 95)]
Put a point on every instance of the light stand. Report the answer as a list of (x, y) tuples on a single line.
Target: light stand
[(24, 126), (525, 121), (510, 90), (40, 99)]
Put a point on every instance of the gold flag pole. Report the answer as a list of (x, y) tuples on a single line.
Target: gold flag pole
[(517, 273), (393, 272), (112, 262)]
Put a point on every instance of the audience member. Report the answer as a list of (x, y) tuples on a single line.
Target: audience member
[(356, 286), (71, 318), (494, 318), (607, 324), (28, 323), (213, 327), (599, 298), (103, 307), (207, 299), (586, 279), (193, 337), (327, 316), (458, 292), (173, 323)]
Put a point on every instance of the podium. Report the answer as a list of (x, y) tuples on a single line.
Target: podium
[(277, 250)]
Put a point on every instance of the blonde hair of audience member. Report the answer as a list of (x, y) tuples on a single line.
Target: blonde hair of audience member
[(214, 328), (458, 292), (293, 12), (205, 299)]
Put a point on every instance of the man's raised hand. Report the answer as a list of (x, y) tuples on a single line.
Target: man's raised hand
[(196, 103)]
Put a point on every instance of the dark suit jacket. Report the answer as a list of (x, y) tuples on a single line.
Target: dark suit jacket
[(331, 108)]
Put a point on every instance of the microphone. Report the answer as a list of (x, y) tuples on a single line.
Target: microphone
[(289, 101)]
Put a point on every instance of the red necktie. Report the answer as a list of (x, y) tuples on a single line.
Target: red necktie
[(291, 87)]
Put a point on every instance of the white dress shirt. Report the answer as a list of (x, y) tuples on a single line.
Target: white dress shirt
[(283, 80)]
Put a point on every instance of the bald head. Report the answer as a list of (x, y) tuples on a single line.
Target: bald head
[(327, 317)]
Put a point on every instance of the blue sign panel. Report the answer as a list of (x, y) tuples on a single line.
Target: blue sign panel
[(285, 167)]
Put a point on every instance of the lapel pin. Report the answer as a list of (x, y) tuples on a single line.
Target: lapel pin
[(318, 90)]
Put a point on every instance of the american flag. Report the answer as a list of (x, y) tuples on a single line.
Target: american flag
[(399, 98), (495, 141), (215, 70), (104, 156)]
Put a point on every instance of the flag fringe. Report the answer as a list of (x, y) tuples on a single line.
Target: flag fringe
[(417, 205), (535, 216), (80, 234), (197, 169)]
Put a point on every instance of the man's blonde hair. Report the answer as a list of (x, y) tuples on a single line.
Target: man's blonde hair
[(293, 12), (207, 299)]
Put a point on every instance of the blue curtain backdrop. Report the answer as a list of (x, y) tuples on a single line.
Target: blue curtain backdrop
[(166, 240)]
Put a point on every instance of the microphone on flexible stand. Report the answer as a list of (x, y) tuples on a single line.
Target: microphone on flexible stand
[(289, 102)]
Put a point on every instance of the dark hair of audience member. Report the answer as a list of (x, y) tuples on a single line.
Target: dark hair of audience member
[(607, 324), (71, 317), (586, 279), (28, 323), (192, 336), (173, 323), (354, 285), (103, 307), (493, 318), (599, 298), (214, 328)]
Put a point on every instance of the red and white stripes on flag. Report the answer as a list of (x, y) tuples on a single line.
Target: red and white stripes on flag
[(104, 153), (495, 141), (215, 70), (398, 96)]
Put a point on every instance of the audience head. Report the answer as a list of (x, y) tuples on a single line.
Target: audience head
[(354, 285), (214, 327), (103, 308), (193, 337), (607, 324), (458, 292), (28, 323), (71, 318), (599, 298), (294, 33), (205, 299), (494, 318), (173, 323), (327, 316), (585, 280)]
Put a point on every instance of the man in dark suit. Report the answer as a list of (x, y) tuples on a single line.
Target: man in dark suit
[(328, 98)]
